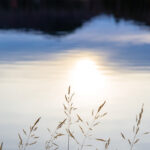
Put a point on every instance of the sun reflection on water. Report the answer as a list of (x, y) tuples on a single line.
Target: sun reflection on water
[(86, 76)]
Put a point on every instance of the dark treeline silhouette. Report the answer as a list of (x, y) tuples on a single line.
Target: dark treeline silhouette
[(49, 16), (135, 10), (64, 16)]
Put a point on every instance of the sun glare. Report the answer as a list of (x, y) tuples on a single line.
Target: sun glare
[(86, 76)]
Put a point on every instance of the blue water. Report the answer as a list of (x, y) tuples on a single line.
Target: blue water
[(35, 67)]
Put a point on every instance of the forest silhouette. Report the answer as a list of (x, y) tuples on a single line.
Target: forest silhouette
[(59, 17)]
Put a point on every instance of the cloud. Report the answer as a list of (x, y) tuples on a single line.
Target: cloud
[(123, 44)]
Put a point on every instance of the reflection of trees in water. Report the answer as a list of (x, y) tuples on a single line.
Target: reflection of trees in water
[(136, 10), (53, 16), (49, 16)]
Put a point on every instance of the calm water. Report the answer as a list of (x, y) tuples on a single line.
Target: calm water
[(101, 60)]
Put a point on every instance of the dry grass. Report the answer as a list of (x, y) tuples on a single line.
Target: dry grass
[(30, 137), (69, 110), (136, 128), (86, 128), (1, 146), (51, 143)]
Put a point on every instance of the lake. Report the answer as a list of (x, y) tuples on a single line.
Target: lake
[(104, 57)]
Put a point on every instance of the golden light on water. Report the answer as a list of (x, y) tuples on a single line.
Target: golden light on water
[(87, 77)]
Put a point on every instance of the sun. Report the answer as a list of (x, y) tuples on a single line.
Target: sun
[(86, 76)]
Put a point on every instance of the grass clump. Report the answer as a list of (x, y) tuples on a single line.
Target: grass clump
[(136, 128), (30, 137), (51, 143), (86, 128)]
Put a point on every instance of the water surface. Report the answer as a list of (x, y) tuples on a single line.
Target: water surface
[(101, 60)]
